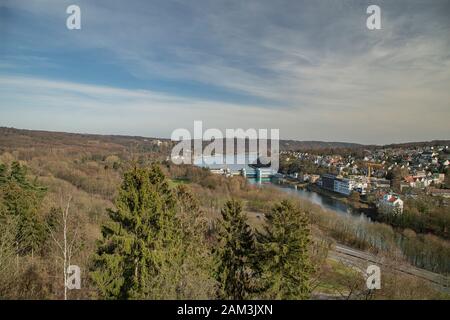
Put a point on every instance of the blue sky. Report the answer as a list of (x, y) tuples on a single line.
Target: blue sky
[(310, 68)]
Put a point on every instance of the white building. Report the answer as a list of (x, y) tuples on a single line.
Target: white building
[(391, 203), (344, 186)]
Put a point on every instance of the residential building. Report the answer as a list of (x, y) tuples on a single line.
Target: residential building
[(344, 186), (328, 181), (391, 204)]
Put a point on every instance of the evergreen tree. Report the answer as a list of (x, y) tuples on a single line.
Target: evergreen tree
[(236, 265), (18, 174), (22, 199), (8, 265), (198, 265), (285, 254), (30, 233), (3, 174), (139, 256)]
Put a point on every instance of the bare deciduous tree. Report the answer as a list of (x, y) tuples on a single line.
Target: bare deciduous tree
[(65, 245)]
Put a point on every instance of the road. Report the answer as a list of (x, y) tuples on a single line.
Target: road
[(361, 260)]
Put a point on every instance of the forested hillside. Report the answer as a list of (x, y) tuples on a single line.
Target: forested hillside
[(140, 227)]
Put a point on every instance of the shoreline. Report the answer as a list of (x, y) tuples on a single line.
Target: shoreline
[(359, 206)]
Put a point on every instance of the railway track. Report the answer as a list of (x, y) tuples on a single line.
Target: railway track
[(361, 260)]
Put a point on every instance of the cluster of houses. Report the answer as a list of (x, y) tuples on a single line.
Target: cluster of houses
[(425, 166), (387, 203), (429, 159), (421, 179), (342, 185), (349, 184)]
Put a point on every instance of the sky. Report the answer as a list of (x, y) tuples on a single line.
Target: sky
[(311, 69)]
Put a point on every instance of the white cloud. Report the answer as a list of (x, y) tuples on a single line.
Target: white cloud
[(323, 73)]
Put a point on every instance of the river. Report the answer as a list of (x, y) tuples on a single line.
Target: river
[(323, 201), (235, 164)]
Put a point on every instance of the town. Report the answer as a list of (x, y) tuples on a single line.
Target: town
[(382, 180), (383, 177)]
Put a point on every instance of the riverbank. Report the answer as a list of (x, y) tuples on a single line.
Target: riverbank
[(290, 182), (330, 200), (314, 188), (357, 205)]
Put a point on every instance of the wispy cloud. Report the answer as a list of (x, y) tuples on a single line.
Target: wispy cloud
[(311, 69), (39, 102)]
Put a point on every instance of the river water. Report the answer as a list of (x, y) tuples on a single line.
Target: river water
[(323, 201), (240, 161)]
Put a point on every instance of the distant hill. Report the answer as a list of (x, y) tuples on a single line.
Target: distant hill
[(11, 138), (20, 138), (32, 138), (419, 144), (316, 145), (320, 145)]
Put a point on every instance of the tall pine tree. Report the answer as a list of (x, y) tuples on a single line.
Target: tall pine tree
[(198, 265), (145, 252), (284, 253), (22, 199), (236, 255)]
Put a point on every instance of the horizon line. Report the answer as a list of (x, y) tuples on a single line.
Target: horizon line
[(169, 139)]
